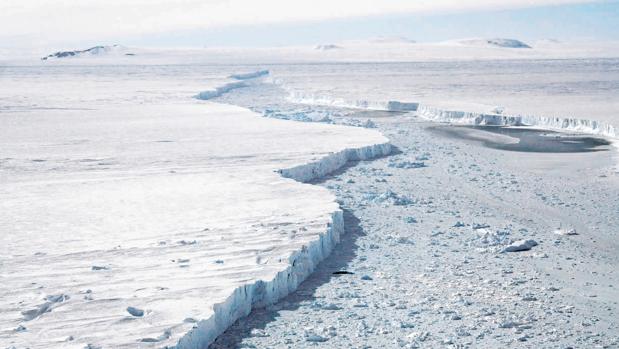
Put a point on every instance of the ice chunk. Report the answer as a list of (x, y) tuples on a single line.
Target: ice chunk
[(520, 245)]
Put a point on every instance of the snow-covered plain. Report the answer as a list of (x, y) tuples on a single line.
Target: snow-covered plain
[(135, 204), (130, 212)]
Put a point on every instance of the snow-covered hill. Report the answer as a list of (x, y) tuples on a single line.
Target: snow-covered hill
[(93, 51), (327, 47), (494, 42)]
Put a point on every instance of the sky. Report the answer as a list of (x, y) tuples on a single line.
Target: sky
[(200, 23)]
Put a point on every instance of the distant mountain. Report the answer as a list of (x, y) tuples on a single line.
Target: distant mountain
[(495, 42), (93, 51), (390, 40), (327, 47)]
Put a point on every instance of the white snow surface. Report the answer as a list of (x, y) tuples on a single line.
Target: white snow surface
[(157, 220)]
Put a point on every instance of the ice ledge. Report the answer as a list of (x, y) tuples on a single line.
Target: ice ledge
[(227, 87), (220, 90), (251, 75), (462, 117), (311, 99), (300, 264), (550, 123)]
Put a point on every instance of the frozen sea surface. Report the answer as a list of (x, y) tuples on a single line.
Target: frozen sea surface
[(425, 262), (547, 91), (526, 139), (135, 207)]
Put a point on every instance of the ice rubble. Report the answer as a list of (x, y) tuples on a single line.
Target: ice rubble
[(312, 99)]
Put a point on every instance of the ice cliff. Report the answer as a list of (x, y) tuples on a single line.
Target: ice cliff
[(229, 86), (551, 123), (300, 264), (463, 117)]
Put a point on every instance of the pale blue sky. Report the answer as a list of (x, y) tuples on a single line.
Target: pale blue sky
[(598, 21), (199, 23)]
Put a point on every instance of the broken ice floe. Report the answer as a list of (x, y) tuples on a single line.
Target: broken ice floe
[(407, 164), (565, 231), (389, 198), (520, 245)]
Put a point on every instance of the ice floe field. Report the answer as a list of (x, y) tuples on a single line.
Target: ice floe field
[(154, 201)]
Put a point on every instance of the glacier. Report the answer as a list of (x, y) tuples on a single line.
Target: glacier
[(157, 224)]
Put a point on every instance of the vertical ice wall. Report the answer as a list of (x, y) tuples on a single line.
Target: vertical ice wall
[(551, 123), (462, 117), (300, 264)]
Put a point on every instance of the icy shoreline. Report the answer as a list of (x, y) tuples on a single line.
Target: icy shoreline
[(425, 266), (301, 263)]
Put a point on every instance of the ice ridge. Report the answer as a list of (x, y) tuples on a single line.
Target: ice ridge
[(220, 90), (229, 86), (302, 98), (251, 75)]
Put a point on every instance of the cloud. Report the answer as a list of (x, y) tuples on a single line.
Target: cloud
[(71, 20)]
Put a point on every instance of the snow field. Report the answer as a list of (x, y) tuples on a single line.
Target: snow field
[(159, 224)]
